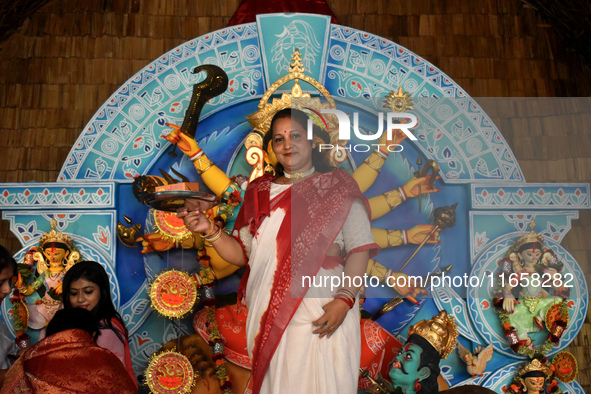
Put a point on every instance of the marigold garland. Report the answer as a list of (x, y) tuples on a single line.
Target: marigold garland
[(216, 341), (231, 198)]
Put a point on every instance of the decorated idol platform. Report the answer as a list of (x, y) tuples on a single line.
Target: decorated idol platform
[(481, 243)]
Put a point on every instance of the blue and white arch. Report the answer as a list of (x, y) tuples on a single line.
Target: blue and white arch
[(122, 141)]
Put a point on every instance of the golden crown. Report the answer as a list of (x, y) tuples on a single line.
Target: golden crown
[(54, 236), (531, 237), (441, 332), (535, 365), (261, 120)]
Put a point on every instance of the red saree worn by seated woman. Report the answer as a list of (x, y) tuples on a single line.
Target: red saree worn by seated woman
[(287, 231), (68, 362)]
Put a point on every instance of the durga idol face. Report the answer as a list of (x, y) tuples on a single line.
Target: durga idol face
[(55, 254)]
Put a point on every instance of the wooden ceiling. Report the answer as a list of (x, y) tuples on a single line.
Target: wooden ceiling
[(571, 19), (14, 12)]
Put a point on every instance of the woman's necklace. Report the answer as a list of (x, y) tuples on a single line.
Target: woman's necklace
[(299, 175)]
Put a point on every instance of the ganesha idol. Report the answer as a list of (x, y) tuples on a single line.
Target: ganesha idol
[(54, 257)]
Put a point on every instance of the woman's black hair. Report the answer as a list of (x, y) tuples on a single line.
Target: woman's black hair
[(104, 311), (66, 319), (6, 260), (319, 159)]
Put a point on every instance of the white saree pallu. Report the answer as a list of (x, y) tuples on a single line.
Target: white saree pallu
[(302, 362)]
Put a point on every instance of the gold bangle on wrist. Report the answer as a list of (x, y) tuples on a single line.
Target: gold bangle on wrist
[(393, 198), (215, 236), (211, 230)]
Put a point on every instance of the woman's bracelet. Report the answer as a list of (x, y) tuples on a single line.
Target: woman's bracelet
[(350, 302), (346, 296), (215, 236), (212, 228), (345, 292)]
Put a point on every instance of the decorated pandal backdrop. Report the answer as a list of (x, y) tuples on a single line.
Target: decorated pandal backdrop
[(105, 205)]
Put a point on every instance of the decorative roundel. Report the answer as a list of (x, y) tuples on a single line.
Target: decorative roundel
[(170, 226), (553, 312), (565, 367), (169, 373), (173, 294), (484, 315)]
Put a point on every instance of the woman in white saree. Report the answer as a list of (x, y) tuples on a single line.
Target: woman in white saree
[(305, 238)]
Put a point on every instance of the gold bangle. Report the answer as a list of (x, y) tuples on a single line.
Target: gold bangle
[(379, 271), (211, 230), (394, 238), (215, 236)]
